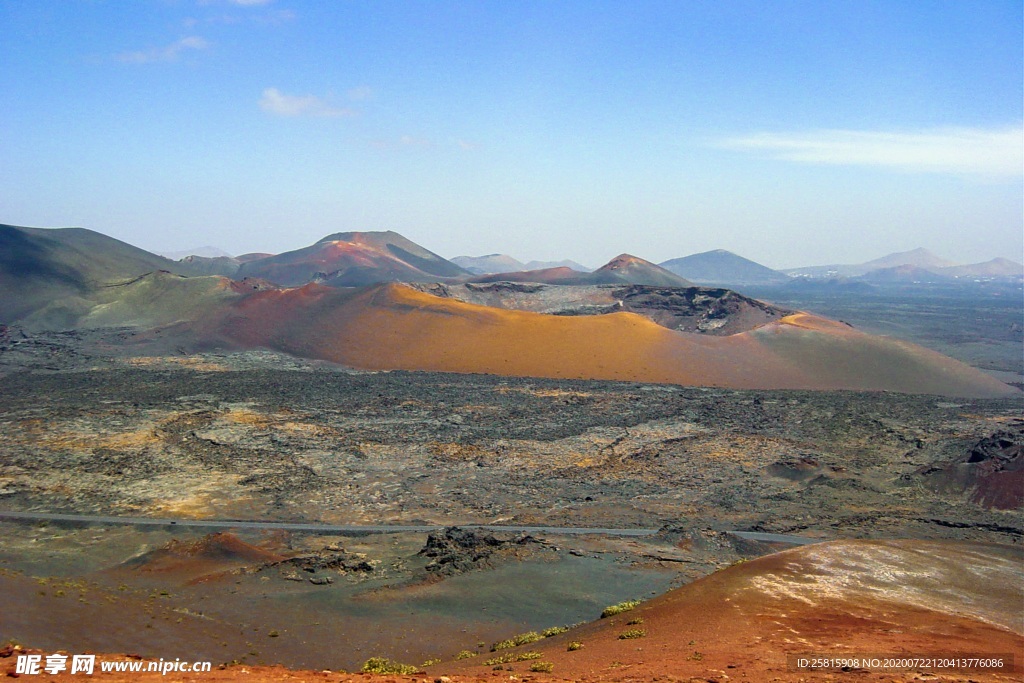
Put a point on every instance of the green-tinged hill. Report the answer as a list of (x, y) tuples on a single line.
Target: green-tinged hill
[(211, 265), (39, 266), (151, 300)]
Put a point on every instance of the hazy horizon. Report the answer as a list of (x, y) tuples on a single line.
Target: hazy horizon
[(212, 250), (793, 134)]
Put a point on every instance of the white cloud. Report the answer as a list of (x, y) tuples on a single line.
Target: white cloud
[(168, 53), (276, 102), (981, 151)]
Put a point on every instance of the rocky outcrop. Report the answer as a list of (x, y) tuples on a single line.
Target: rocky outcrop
[(991, 473), (455, 551), (705, 310)]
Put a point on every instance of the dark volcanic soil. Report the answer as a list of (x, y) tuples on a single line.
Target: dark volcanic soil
[(399, 447), (86, 429)]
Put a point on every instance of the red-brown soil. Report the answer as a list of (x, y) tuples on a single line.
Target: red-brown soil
[(205, 558), (839, 599), (992, 474), (397, 327)]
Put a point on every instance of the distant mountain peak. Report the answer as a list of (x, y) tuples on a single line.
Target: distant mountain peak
[(920, 257), (624, 261), (205, 252), (346, 259), (490, 263), (723, 267), (361, 236), (638, 271)]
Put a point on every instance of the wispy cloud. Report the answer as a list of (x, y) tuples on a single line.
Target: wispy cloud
[(976, 151), (276, 102), (167, 53), (403, 142), (362, 92), (267, 17)]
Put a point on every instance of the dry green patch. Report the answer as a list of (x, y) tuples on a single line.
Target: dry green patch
[(619, 608), (554, 631), (510, 657), (521, 639), (380, 665)]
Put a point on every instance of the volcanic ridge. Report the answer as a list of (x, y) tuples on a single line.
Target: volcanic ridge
[(628, 320)]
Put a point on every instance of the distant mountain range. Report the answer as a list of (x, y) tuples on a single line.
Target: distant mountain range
[(917, 265), (724, 268), (503, 263), (997, 267), (716, 268), (205, 252), (340, 300), (623, 269)]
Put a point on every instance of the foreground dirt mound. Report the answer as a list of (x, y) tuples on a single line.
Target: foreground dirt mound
[(212, 554), (841, 599), (844, 599)]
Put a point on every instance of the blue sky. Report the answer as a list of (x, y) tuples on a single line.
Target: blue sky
[(793, 133)]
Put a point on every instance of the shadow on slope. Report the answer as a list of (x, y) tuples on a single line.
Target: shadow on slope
[(39, 267)]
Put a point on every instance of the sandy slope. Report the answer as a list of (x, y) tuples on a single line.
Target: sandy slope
[(396, 327), (842, 599)]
